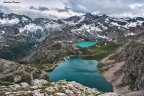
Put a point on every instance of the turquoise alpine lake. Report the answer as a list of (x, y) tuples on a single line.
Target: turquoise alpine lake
[(82, 71), (86, 44)]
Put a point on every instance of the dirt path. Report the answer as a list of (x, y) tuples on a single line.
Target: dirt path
[(121, 48), (109, 75), (106, 60)]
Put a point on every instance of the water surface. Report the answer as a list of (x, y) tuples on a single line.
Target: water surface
[(85, 44), (82, 71)]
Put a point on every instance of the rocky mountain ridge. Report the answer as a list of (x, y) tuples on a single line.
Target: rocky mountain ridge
[(21, 33), (48, 40), (126, 71)]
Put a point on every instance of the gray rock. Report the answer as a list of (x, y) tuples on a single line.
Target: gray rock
[(61, 94), (109, 94), (39, 81), (14, 72), (60, 88), (17, 78), (133, 55), (24, 84)]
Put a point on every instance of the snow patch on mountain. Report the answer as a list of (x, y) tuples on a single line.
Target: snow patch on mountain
[(84, 25), (133, 24), (2, 32), (8, 22), (101, 36), (130, 34), (30, 27), (82, 18), (115, 24), (24, 19), (52, 25), (90, 28), (106, 20)]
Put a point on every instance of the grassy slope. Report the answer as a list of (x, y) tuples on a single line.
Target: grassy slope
[(100, 50), (97, 52)]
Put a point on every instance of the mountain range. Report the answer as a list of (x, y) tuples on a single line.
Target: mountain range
[(35, 46), (20, 35)]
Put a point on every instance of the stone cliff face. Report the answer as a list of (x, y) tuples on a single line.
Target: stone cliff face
[(50, 41), (12, 72), (21, 33), (55, 47), (133, 55), (127, 74)]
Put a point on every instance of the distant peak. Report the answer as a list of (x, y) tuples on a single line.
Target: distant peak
[(104, 15), (88, 14)]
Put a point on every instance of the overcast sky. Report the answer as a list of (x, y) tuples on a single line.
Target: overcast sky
[(67, 8)]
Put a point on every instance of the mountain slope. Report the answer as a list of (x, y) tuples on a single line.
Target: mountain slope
[(20, 35), (127, 67), (13, 72)]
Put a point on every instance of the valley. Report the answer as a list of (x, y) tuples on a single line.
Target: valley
[(40, 45)]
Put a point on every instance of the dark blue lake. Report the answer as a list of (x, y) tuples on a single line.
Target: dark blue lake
[(82, 71)]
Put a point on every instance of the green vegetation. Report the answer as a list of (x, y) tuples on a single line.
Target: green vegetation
[(39, 66), (16, 50), (26, 79), (46, 85), (23, 89), (113, 57), (8, 79), (100, 51), (2, 93), (28, 94), (5, 83)]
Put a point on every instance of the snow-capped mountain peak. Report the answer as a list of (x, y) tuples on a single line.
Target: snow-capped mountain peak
[(20, 30)]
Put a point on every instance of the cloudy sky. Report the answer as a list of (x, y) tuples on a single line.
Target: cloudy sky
[(67, 8)]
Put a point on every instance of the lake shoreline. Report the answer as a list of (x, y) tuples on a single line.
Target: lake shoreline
[(58, 74), (88, 54)]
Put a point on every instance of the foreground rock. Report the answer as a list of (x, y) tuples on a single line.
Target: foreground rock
[(44, 88), (13, 72)]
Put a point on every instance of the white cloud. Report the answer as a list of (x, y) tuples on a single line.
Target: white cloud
[(66, 8), (119, 8), (125, 14), (136, 6), (4, 9)]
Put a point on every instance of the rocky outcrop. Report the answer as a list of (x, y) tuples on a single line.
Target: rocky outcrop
[(126, 73), (22, 80), (44, 88), (21, 33), (133, 69), (13, 72), (55, 47)]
